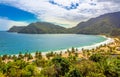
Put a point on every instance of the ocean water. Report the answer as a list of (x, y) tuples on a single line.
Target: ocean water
[(13, 43)]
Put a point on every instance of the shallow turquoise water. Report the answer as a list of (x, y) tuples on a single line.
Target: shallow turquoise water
[(13, 43)]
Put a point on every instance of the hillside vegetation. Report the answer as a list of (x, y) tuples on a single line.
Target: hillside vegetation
[(108, 24), (104, 24), (101, 62)]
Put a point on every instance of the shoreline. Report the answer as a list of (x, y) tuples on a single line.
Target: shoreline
[(89, 47)]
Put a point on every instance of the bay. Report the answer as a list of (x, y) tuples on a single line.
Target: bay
[(13, 43)]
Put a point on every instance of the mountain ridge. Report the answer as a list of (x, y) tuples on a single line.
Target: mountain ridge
[(39, 28), (103, 24), (16, 28)]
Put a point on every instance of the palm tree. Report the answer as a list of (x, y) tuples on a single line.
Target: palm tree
[(0, 59), (26, 54), (14, 57), (4, 57), (36, 54), (30, 57), (60, 53), (76, 54), (20, 56), (39, 55), (73, 50)]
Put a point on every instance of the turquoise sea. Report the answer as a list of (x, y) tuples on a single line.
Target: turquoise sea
[(13, 43)]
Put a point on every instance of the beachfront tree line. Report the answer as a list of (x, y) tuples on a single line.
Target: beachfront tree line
[(93, 63)]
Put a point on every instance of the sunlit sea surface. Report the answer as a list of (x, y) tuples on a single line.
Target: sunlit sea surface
[(13, 43)]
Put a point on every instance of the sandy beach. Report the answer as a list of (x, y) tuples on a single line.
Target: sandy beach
[(94, 46), (80, 53)]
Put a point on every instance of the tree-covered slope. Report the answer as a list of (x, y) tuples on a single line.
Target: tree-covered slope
[(42, 27), (103, 24), (16, 28)]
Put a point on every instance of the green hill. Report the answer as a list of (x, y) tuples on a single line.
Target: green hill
[(16, 28), (42, 28), (39, 28), (104, 24)]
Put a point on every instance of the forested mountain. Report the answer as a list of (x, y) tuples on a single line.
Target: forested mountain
[(104, 24), (16, 28), (39, 28)]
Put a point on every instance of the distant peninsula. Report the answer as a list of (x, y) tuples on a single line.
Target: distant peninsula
[(16, 28), (105, 24), (39, 28)]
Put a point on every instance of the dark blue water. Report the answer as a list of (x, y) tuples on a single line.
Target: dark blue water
[(13, 43)]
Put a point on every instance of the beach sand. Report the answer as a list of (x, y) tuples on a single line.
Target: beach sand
[(109, 41), (94, 46)]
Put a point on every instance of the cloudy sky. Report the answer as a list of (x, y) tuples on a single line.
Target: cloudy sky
[(66, 13)]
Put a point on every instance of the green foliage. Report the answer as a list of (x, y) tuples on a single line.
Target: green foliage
[(20, 56), (26, 54), (87, 67), (96, 57), (49, 72), (115, 32), (2, 75), (4, 57), (30, 70), (18, 68), (40, 62), (73, 50), (30, 56), (16, 28), (74, 73), (38, 55), (104, 24), (109, 67), (72, 59), (42, 27), (14, 57), (61, 65), (97, 65), (48, 55)]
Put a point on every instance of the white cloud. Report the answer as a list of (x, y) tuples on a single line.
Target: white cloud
[(57, 13), (6, 23)]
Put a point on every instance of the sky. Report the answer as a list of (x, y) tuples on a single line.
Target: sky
[(66, 13)]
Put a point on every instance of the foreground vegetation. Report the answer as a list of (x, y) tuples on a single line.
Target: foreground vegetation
[(103, 61)]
